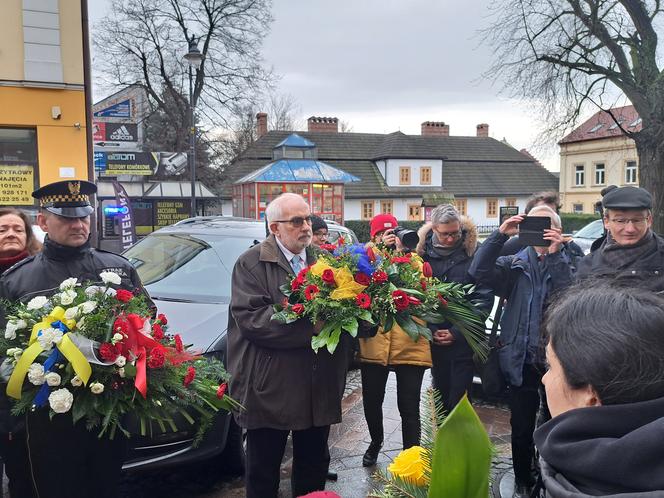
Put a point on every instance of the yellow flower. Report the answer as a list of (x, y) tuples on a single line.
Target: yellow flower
[(416, 262), (409, 466), (347, 287), (319, 267)]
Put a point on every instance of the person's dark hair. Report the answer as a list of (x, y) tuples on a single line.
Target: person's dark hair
[(32, 245), (610, 336), (551, 198)]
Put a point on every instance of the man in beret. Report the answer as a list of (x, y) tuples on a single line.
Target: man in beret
[(65, 459), (631, 249)]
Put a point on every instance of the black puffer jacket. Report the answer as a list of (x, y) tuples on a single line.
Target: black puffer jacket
[(613, 450)]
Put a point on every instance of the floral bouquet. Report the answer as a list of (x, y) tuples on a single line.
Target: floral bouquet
[(96, 351)]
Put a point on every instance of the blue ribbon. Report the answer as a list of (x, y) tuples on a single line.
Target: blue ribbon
[(42, 395)]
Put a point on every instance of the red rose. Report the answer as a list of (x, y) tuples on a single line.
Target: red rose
[(179, 347), (157, 358), (371, 254), (423, 284), (298, 308), (328, 247), (400, 299), (162, 319), (310, 292), (363, 300), (413, 301), (296, 283), (328, 277), (362, 279), (442, 300), (108, 352), (123, 295), (189, 376), (400, 259), (157, 332), (426, 270), (380, 277), (222, 390)]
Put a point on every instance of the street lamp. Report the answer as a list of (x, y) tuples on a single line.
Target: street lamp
[(194, 59)]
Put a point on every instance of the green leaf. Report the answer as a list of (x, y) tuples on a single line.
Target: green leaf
[(408, 325), (367, 316), (389, 323), (333, 342), (130, 370), (350, 326), (462, 456)]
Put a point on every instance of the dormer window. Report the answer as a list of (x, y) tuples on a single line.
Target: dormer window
[(295, 147)]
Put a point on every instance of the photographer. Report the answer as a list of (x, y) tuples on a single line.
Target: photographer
[(391, 351), (527, 279)]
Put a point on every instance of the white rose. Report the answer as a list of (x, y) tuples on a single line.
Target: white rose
[(37, 302), (61, 400), (76, 381), (120, 361), (93, 290), (14, 351), (121, 372), (48, 337), (111, 292), (53, 379), (67, 297), (88, 307), (12, 327), (71, 313), (117, 337), (70, 283), (97, 388), (108, 277), (36, 374)]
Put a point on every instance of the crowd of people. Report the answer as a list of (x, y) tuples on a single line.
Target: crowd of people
[(580, 349)]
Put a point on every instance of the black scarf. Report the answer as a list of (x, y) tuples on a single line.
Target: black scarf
[(53, 250), (620, 257)]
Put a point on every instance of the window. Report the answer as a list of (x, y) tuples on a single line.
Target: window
[(425, 175), (630, 172), (579, 175), (404, 175), (461, 206), (599, 174), (492, 208), (414, 212), (577, 208), (510, 202), (595, 128), (367, 210), (18, 166), (386, 207)]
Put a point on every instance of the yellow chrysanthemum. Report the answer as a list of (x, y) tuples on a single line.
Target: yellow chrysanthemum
[(409, 466)]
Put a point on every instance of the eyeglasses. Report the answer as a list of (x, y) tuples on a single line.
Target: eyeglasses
[(637, 222), (297, 221), (447, 235)]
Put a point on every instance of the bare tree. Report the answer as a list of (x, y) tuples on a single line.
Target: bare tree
[(567, 54), (143, 42)]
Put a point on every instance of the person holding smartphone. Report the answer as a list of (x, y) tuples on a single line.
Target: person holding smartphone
[(528, 280)]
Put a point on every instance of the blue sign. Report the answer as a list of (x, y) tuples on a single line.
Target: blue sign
[(115, 210), (119, 110), (100, 161)]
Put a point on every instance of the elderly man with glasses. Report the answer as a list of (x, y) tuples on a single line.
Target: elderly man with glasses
[(283, 385), (631, 249)]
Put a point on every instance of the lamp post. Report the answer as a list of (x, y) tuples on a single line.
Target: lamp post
[(194, 59)]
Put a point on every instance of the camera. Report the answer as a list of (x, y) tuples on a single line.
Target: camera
[(408, 238)]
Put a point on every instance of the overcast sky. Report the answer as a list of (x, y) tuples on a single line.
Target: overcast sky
[(388, 65)]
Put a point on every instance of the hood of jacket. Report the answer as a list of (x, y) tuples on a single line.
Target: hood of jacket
[(468, 228), (604, 451)]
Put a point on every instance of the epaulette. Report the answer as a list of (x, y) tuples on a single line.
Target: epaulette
[(109, 252), (18, 265)]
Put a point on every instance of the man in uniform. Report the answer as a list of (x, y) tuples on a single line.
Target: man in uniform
[(64, 459), (631, 249)]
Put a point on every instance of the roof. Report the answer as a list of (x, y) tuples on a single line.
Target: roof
[(603, 125), (472, 166), (298, 170), (295, 140)]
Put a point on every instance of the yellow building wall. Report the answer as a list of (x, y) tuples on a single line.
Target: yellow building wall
[(11, 40), (614, 153), (60, 142), (71, 41)]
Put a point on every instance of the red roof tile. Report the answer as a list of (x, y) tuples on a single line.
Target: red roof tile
[(602, 125)]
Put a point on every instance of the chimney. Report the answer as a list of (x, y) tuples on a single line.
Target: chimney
[(435, 129), (261, 124), (324, 125), (482, 130)]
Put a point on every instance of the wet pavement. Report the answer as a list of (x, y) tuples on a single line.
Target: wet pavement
[(348, 442)]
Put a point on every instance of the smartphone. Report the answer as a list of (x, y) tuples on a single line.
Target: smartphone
[(531, 231)]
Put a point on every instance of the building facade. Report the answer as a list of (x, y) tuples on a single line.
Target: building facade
[(43, 116), (595, 155)]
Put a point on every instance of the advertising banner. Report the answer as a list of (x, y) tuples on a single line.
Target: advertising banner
[(126, 218), (169, 212), (118, 110), (508, 212), (126, 163), (115, 132), (17, 183)]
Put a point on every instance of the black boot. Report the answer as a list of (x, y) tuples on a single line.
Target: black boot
[(371, 455), (522, 491)]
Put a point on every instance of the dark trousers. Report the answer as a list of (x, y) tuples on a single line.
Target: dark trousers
[(452, 374), (68, 461), (409, 384), (265, 450), (13, 448), (525, 402)]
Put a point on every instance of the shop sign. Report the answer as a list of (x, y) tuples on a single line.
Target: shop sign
[(170, 212), (126, 163), (119, 110), (508, 212), (17, 183)]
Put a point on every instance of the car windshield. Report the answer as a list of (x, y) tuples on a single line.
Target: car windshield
[(187, 267), (593, 230)]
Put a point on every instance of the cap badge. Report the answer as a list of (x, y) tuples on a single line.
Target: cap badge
[(74, 188)]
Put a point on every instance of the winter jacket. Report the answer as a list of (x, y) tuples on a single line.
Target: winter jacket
[(281, 382), (454, 268), (570, 248), (512, 277), (648, 271), (613, 450)]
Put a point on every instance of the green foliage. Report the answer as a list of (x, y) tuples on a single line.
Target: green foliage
[(576, 221)]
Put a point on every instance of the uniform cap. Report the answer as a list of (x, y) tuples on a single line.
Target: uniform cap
[(69, 198)]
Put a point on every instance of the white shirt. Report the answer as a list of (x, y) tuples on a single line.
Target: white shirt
[(289, 255)]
